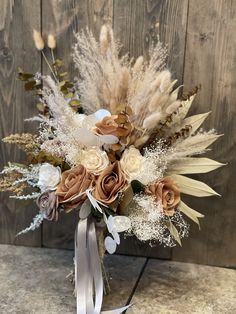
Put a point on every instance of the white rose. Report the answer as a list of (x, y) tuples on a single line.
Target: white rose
[(94, 160), (49, 177), (132, 163)]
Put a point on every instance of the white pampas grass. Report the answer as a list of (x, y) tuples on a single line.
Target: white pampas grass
[(108, 81)]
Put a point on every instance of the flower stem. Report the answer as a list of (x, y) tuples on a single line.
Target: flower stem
[(48, 64)]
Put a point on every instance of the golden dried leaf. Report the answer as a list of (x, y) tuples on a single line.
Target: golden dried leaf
[(121, 108), (62, 83), (124, 140), (121, 132), (111, 156), (128, 110), (116, 147), (122, 118), (41, 107), (74, 103), (63, 74), (30, 85), (69, 95)]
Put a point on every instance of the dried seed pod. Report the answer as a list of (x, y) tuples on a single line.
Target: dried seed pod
[(38, 40)]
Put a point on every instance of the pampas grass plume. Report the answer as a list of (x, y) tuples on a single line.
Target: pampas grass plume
[(38, 40)]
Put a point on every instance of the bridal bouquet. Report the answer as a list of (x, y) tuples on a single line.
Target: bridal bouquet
[(115, 145)]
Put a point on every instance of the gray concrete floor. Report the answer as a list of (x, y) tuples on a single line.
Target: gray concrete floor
[(33, 281)]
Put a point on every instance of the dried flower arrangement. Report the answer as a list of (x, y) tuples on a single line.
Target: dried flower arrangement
[(115, 145)]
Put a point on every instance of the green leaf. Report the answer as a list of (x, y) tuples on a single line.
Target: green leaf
[(137, 186), (95, 212), (191, 213)]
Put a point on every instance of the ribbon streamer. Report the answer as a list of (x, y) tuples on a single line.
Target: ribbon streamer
[(88, 272)]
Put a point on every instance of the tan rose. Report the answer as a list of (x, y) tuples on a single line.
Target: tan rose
[(110, 126), (107, 126), (48, 205), (167, 193), (110, 183), (74, 182)]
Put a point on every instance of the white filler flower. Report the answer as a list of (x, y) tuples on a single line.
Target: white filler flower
[(94, 160), (49, 177)]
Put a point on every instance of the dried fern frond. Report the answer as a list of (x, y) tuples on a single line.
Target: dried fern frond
[(8, 183), (25, 141)]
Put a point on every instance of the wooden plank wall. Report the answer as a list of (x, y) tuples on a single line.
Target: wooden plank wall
[(201, 43)]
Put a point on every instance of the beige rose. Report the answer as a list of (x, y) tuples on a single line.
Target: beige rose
[(48, 205), (167, 193), (94, 160), (74, 182), (110, 183), (131, 163)]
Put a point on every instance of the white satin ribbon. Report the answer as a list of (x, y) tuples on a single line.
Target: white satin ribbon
[(88, 272)]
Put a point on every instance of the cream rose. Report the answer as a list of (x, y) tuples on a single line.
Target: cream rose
[(94, 160), (131, 163), (49, 177)]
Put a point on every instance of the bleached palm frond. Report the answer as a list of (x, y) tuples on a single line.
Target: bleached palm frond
[(191, 213), (190, 165), (193, 187), (193, 145)]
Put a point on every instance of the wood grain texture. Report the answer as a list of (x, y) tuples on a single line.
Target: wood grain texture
[(210, 59), (201, 44), (63, 18), (17, 20), (137, 24)]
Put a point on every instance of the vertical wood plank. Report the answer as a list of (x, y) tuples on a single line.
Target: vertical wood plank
[(211, 61), (137, 23), (63, 18), (17, 20)]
